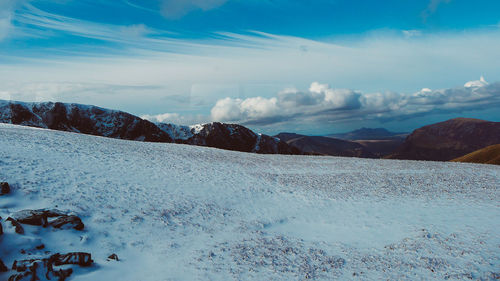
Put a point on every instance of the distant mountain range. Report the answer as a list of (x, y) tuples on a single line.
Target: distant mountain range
[(364, 142), (442, 141), (448, 140), (369, 134), (317, 145), (98, 121)]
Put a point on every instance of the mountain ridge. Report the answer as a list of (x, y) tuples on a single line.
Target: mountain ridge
[(93, 120), (368, 134)]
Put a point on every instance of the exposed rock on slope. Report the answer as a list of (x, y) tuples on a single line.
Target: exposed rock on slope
[(448, 140), (487, 155), (316, 145), (81, 119), (230, 137)]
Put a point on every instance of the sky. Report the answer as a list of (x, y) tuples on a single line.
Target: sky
[(312, 67)]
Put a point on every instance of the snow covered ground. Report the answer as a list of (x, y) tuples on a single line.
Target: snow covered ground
[(179, 212)]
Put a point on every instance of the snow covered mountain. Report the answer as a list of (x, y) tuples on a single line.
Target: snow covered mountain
[(181, 212), (81, 119), (229, 137), (98, 121)]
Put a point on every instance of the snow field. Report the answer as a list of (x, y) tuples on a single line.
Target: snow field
[(179, 212)]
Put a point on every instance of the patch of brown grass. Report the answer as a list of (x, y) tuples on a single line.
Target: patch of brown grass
[(487, 155)]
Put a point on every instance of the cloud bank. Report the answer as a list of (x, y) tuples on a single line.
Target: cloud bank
[(322, 103)]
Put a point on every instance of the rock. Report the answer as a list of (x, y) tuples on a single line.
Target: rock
[(1, 228), (72, 221), (40, 247), (36, 217), (40, 217), (22, 265), (3, 268), (17, 225), (4, 188), (78, 258), (43, 269), (38, 270), (113, 257)]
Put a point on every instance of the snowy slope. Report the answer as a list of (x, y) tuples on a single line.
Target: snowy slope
[(179, 212)]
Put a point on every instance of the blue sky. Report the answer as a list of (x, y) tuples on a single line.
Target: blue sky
[(307, 66)]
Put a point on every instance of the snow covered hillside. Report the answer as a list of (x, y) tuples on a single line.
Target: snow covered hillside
[(180, 212)]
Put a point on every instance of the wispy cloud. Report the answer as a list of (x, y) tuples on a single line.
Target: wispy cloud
[(432, 8), (7, 9), (175, 9)]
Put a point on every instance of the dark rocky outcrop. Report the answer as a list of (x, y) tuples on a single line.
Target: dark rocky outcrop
[(36, 269), (36, 217), (1, 227), (78, 258), (234, 137), (40, 217), (81, 119), (68, 222), (4, 188), (113, 257), (448, 140), (18, 227), (40, 270)]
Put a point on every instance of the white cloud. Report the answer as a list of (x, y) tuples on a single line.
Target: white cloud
[(411, 33), (175, 9), (175, 118), (321, 103), (163, 118), (289, 102)]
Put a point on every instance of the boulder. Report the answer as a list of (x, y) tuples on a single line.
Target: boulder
[(78, 258), (36, 217), (43, 269), (4, 188), (38, 270), (113, 257), (68, 221), (40, 217), (17, 225)]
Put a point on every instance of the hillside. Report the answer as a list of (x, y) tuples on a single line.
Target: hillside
[(487, 155), (180, 212), (448, 140), (317, 145)]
